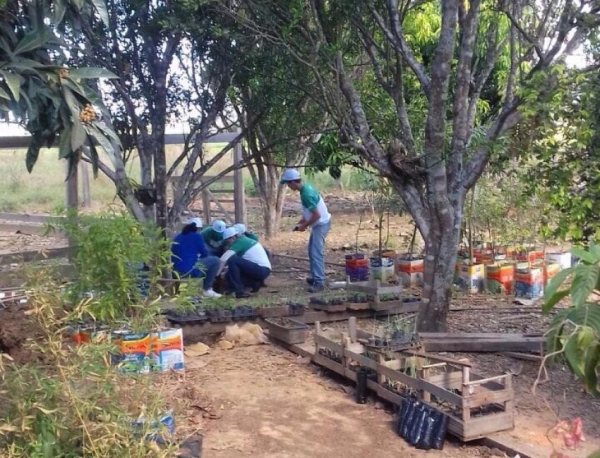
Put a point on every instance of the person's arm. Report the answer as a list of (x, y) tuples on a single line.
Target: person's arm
[(202, 251), (314, 217), (228, 254)]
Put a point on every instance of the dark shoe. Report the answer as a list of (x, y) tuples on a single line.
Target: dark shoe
[(256, 288), (241, 295), (310, 281), (315, 288)]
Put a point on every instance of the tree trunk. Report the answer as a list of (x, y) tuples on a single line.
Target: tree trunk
[(272, 209), (438, 277)]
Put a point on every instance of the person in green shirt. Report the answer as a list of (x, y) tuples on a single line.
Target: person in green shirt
[(316, 217), (247, 263), (213, 237)]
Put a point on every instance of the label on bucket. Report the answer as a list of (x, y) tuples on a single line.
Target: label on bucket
[(167, 349), (134, 351), (382, 262)]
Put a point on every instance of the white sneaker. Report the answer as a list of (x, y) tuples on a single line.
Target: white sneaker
[(211, 293)]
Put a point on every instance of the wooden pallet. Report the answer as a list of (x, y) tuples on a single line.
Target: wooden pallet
[(444, 383)]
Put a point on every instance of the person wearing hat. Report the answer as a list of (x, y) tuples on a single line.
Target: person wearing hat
[(190, 258), (213, 237), (247, 263), (316, 217), (241, 229)]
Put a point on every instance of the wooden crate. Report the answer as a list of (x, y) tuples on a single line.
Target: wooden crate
[(476, 406), (376, 289)]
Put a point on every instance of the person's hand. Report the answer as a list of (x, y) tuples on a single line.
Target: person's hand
[(300, 227)]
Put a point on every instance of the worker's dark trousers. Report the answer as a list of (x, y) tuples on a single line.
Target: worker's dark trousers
[(242, 273)]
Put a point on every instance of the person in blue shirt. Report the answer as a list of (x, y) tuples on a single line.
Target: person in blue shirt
[(190, 257)]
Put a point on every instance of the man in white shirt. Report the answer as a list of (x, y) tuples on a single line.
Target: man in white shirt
[(247, 263), (316, 216)]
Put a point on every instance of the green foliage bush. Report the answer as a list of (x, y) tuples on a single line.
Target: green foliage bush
[(575, 331)]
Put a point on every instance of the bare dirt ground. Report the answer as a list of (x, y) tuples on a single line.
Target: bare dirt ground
[(266, 402)]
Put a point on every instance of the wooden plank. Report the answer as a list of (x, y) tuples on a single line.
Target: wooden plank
[(447, 380), (523, 344), (30, 218), (473, 335), (34, 255), (325, 342), (440, 358), (28, 229), (488, 397), (226, 179), (329, 364), (524, 356), (478, 427), (22, 141)]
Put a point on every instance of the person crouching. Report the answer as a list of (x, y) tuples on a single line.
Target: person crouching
[(190, 258), (247, 263)]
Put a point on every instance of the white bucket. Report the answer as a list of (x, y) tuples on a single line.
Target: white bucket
[(562, 259), (382, 269)]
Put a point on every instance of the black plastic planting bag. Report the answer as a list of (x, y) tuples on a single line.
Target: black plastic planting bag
[(402, 416), (410, 415), (439, 431), (417, 425), (421, 425)]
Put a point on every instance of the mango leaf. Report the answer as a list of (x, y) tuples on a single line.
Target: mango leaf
[(31, 41), (584, 255), (60, 7), (91, 73), (33, 152), (592, 365), (64, 145), (574, 356), (584, 282), (13, 82), (78, 135), (552, 287), (100, 6)]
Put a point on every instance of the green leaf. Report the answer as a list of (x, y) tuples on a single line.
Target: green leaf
[(31, 41), (551, 301), (91, 73), (552, 287), (584, 255), (13, 82), (584, 282), (100, 6), (592, 364), (594, 250), (78, 135), (33, 152), (64, 145), (60, 7)]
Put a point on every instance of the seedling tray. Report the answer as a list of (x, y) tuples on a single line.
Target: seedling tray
[(287, 330)]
